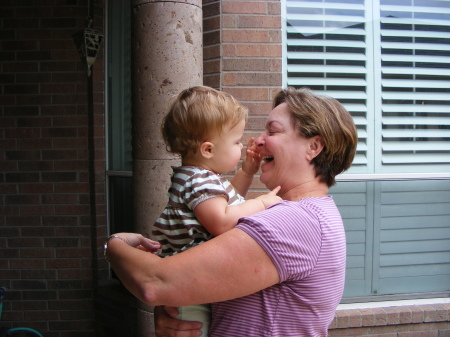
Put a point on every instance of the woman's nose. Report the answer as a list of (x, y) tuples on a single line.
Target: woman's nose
[(260, 140)]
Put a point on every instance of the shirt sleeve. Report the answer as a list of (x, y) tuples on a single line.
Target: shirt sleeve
[(290, 235), (202, 186)]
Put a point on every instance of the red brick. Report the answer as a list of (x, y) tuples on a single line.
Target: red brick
[(355, 318), (244, 7), (392, 316), (380, 317), (418, 334), (343, 319), (417, 314), (258, 79), (259, 22), (245, 36), (249, 94), (258, 50), (368, 317), (274, 8)]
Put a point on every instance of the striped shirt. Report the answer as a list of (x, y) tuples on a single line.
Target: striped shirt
[(306, 242), (177, 228)]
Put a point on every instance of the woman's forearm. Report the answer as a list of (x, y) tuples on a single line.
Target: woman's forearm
[(229, 266)]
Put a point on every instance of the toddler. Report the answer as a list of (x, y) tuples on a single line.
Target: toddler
[(205, 127)]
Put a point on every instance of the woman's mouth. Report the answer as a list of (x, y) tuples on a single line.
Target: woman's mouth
[(268, 159)]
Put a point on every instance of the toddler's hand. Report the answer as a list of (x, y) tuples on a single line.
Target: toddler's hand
[(270, 198), (252, 160)]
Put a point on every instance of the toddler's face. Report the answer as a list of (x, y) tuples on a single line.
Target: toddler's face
[(227, 148)]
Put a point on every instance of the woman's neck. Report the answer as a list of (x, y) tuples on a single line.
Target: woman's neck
[(306, 190)]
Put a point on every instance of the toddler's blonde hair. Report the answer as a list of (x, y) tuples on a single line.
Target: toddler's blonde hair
[(197, 114)]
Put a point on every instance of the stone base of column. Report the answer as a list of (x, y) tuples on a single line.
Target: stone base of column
[(151, 180), (146, 325)]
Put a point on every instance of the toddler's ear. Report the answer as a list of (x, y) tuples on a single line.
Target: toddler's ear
[(206, 149)]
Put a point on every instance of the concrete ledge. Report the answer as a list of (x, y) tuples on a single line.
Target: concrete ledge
[(406, 319)]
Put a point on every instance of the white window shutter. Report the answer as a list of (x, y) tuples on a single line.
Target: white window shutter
[(415, 66), (388, 62)]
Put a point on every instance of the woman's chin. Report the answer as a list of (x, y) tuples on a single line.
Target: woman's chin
[(264, 178)]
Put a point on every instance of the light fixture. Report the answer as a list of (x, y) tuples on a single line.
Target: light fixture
[(88, 42)]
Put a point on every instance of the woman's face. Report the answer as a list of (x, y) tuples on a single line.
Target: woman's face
[(284, 152)]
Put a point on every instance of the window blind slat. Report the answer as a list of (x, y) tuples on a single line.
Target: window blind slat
[(416, 133), (415, 84), (326, 56), (326, 69), (325, 30), (415, 46), (326, 18), (356, 108), (408, 21), (347, 95), (359, 160), (416, 58), (416, 9), (416, 121), (327, 43), (323, 5), (307, 81), (413, 33), (427, 158), (415, 71), (416, 146), (394, 108), (421, 96)]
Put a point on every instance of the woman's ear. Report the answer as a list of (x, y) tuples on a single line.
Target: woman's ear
[(206, 150), (316, 145)]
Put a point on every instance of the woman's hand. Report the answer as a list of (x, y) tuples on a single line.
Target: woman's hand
[(252, 160), (168, 326), (139, 242)]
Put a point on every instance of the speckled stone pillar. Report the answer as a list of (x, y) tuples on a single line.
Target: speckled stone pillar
[(167, 56)]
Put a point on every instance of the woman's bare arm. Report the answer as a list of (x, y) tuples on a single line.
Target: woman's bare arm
[(229, 266)]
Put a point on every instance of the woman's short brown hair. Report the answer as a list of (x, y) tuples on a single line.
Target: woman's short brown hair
[(197, 114), (319, 115)]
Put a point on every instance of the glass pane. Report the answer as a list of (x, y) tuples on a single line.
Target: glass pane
[(119, 86), (415, 66), (414, 240), (326, 50), (120, 204)]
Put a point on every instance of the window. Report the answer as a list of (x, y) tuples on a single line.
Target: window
[(388, 62), (119, 163)]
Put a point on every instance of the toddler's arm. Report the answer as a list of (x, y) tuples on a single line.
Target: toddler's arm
[(218, 217)]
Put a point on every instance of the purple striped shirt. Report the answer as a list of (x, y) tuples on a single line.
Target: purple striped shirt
[(306, 242)]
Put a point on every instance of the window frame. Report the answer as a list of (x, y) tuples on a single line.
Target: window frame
[(365, 176)]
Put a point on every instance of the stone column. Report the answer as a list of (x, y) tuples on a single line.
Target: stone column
[(167, 55)]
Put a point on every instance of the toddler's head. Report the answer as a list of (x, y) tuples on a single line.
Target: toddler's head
[(197, 114)]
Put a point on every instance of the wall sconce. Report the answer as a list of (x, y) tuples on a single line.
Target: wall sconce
[(88, 42)]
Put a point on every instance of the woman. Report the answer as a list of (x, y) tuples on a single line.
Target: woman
[(280, 272)]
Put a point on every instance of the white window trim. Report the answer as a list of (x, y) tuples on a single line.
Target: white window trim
[(392, 176)]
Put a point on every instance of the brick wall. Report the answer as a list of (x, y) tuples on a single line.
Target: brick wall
[(251, 61), (430, 320), (211, 43), (52, 166)]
